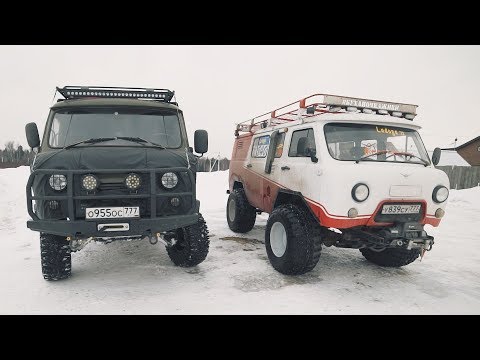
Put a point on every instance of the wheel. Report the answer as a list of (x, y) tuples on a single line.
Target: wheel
[(55, 256), (191, 247), (292, 240), (240, 214), (391, 257)]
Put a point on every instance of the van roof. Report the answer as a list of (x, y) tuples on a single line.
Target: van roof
[(318, 106), (92, 102), (360, 118)]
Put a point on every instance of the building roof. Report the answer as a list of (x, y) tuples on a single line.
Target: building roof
[(467, 143), (463, 140)]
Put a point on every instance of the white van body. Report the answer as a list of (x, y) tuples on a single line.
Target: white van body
[(354, 172)]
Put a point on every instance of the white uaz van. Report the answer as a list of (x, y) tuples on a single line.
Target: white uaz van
[(339, 171)]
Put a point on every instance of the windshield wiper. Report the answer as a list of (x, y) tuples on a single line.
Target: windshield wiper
[(139, 140), (144, 141), (89, 141), (372, 154), (425, 163)]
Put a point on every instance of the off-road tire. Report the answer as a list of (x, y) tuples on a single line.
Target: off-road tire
[(191, 246), (304, 243), (244, 215), (55, 255), (391, 257)]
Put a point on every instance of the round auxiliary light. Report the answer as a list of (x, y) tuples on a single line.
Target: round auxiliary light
[(439, 213), (169, 180), (360, 192), (352, 213), (53, 204), (89, 182), (58, 182), (440, 194), (133, 181)]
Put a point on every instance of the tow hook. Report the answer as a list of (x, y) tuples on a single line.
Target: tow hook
[(153, 239), (429, 244)]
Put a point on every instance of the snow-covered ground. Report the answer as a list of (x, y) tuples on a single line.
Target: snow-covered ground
[(138, 278)]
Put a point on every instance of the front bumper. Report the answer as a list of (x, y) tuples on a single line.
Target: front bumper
[(79, 229), (409, 235), (75, 225)]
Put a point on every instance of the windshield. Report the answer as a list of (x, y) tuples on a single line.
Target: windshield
[(351, 142), (71, 126)]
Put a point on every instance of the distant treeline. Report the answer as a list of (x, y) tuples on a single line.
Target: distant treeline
[(215, 164), (14, 155)]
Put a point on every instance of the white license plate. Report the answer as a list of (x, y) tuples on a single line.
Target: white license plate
[(401, 209), (112, 212)]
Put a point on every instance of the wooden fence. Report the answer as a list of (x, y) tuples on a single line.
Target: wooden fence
[(462, 177)]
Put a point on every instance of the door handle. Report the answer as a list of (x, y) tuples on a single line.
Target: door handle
[(285, 168), (249, 165)]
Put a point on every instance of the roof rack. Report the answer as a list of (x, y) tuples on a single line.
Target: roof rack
[(78, 92), (324, 103)]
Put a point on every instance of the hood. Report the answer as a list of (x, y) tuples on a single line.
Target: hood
[(92, 157), (386, 181)]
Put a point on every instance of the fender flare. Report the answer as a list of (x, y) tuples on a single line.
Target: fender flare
[(285, 196)]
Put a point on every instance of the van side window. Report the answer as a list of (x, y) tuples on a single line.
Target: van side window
[(309, 142), (279, 149), (260, 146)]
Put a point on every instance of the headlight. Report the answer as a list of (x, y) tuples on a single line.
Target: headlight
[(169, 180), (440, 194), (58, 182), (360, 192), (133, 181), (89, 182)]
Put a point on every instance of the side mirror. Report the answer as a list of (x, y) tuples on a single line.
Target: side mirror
[(436, 155), (31, 131), (201, 141), (312, 153)]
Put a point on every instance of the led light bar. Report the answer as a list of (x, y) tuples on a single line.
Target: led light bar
[(77, 92)]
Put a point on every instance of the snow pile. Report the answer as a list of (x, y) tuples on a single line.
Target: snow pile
[(469, 198), (138, 278)]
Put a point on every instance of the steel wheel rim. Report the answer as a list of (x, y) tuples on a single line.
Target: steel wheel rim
[(278, 239), (231, 210)]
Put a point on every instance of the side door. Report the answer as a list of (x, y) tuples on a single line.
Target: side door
[(273, 170), (297, 165), (255, 166)]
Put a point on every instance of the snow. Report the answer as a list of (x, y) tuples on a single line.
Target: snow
[(236, 278)]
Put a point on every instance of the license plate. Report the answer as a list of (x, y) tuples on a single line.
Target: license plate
[(401, 209), (112, 212)]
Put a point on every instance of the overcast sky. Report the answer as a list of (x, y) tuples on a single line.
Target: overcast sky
[(218, 86)]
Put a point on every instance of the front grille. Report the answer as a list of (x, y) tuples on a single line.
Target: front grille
[(114, 184), (152, 198), (394, 218), (111, 186)]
